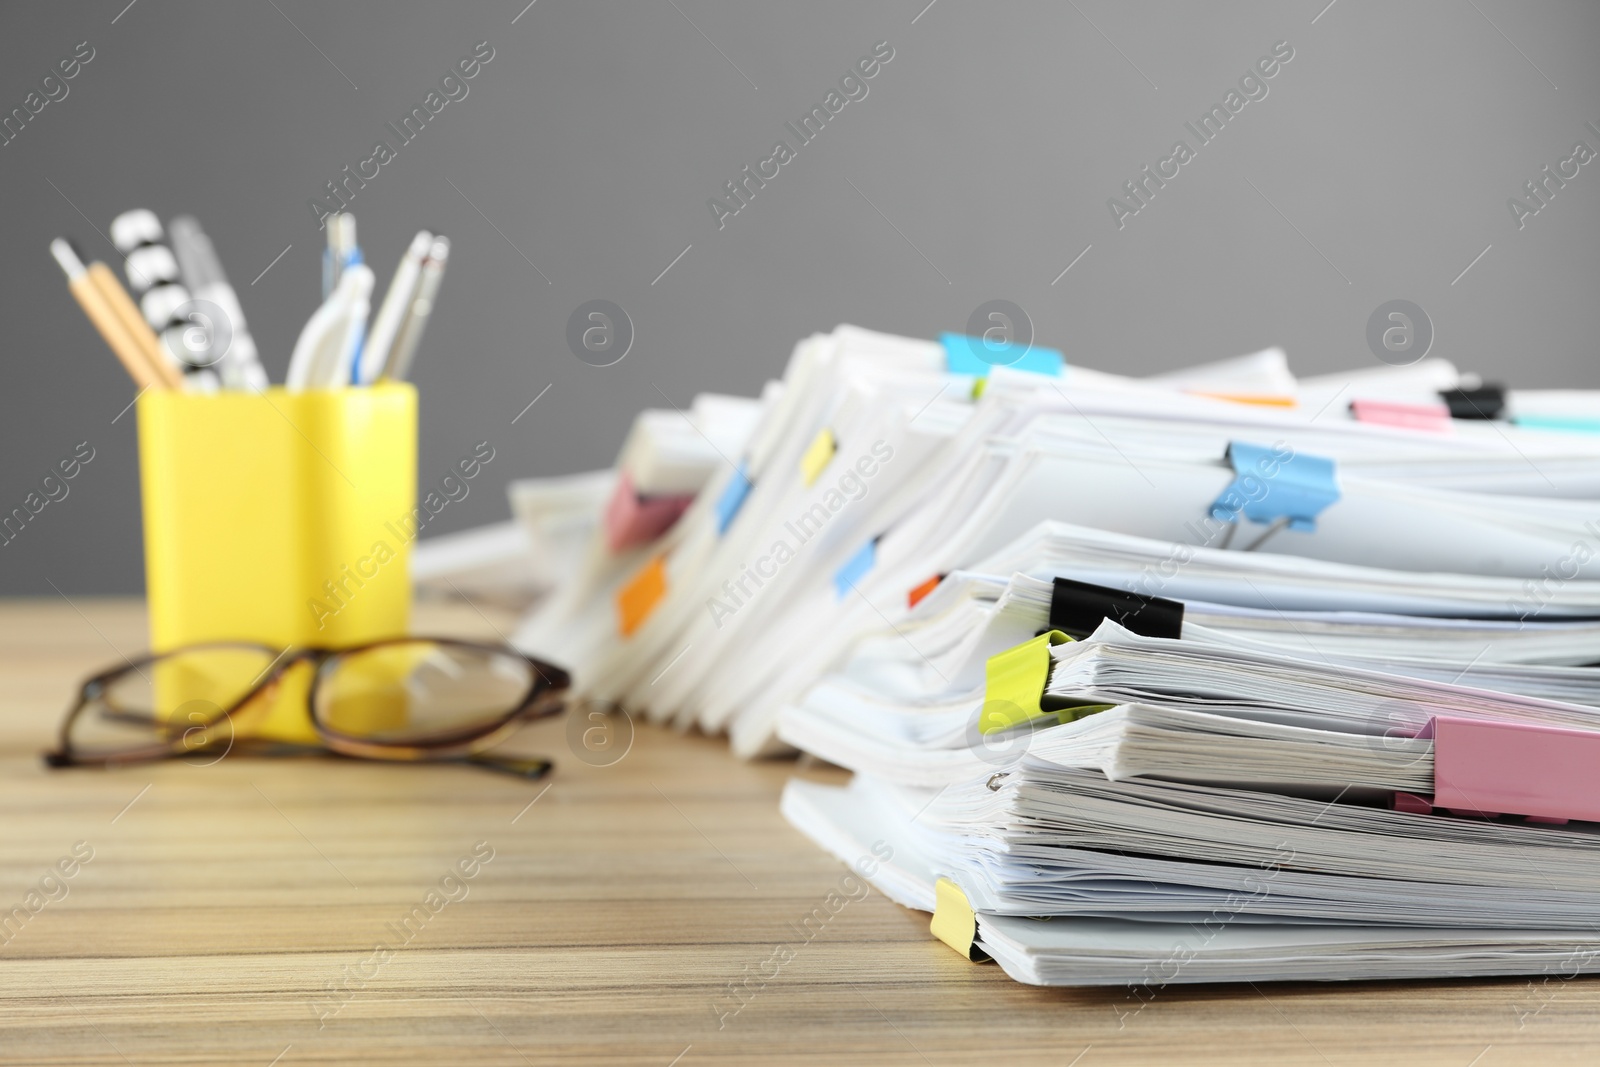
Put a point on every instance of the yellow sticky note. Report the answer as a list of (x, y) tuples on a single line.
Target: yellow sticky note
[(817, 456), (641, 595)]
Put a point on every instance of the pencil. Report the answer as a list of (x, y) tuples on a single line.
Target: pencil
[(133, 321), (106, 320)]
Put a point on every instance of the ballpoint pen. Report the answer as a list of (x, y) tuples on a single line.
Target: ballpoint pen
[(325, 347), (341, 247), (358, 310), (398, 364), (394, 310)]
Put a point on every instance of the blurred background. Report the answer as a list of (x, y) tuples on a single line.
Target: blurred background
[(979, 166)]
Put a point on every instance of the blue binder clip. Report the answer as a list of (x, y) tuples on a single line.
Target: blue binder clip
[(977, 355), (1275, 486), (732, 498)]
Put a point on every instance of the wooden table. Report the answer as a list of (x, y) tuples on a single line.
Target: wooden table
[(223, 903)]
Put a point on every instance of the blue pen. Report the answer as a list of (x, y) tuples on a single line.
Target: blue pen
[(341, 244), (353, 257)]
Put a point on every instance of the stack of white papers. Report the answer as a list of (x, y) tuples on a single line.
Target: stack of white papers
[(1235, 769), (873, 471), (1231, 930), (905, 701), (1206, 779)]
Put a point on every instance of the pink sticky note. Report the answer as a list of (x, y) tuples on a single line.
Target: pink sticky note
[(1411, 416), (633, 520)]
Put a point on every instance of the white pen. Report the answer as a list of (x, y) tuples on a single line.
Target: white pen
[(325, 345), (357, 281), (398, 364), (392, 314)]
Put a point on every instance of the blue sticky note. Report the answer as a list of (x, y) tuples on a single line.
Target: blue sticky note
[(732, 498), (976, 355), (1276, 483), (855, 568), (1565, 423)]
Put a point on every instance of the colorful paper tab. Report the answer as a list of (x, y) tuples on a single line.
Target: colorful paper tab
[(1563, 423), (978, 355), (1434, 417), (916, 595), (817, 456), (732, 498), (640, 596), (1264, 400), (632, 520), (855, 568)]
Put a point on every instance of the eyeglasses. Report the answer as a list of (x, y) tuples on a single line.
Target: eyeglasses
[(409, 698)]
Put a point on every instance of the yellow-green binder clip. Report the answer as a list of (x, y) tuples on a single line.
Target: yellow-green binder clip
[(954, 921), (1014, 686)]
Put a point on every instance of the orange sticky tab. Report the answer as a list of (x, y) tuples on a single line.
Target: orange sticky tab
[(1261, 400), (641, 595), (914, 597)]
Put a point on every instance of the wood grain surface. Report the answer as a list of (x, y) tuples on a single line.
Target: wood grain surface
[(230, 913)]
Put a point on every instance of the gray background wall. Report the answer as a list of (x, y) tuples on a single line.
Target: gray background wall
[(978, 167)]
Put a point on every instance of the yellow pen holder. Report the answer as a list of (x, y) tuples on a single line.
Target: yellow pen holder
[(279, 518)]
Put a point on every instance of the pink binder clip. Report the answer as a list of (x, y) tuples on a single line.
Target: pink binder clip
[(633, 520), (1434, 417), (1544, 773)]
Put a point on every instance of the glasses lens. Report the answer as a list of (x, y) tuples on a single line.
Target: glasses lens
[(176, 699), (420, 692)]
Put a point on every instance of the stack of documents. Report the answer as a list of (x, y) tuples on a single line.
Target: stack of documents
[(905, 702), (1248, 810), (881, 464), (1218, 675)]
